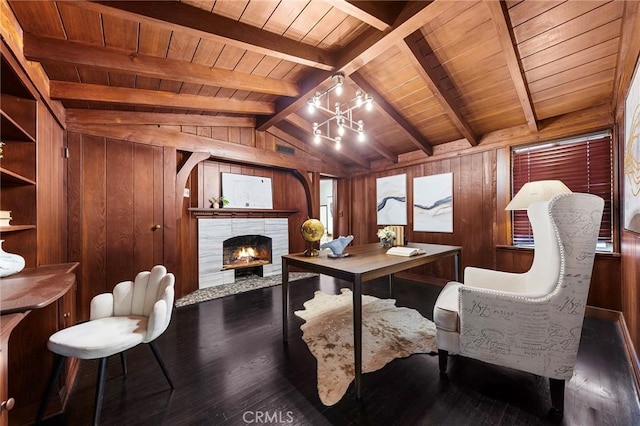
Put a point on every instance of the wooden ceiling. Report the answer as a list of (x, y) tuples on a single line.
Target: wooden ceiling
[(438, 71)]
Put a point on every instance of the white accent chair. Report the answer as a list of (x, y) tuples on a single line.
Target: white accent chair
[(136, 312), (531, 321)]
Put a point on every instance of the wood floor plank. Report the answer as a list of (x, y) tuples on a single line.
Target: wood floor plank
[(230, 367)]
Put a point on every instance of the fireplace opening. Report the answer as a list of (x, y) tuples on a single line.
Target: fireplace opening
[(246, 254)]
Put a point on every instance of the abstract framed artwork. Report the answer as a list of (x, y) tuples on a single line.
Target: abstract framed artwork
[(433, 203), (391, 200), (632, 155)]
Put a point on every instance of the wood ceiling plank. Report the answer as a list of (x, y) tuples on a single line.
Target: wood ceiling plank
[(609, 47), (580, 84), (599, 95), (153, 40), (414, 47), (381, 105), (575, 45), (522, 12), (500, 18), (302, 27), (120, 33), (599, 65), (39, 17), (581, 24), (47, 50), (551, 18), (186, 19), (81, 25), (257, 13), (107, 94)]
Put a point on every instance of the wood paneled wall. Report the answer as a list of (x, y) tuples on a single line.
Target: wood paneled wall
[(52, 200), (478, 227), (116, 197), (474, 200)]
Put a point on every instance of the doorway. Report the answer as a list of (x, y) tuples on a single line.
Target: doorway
[(327, 206)]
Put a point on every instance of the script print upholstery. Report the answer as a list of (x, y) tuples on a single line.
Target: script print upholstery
[(538, 334)]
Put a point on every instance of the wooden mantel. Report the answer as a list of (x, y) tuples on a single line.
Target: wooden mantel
[(239, 213)]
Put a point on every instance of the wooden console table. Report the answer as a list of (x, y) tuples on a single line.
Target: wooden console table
[(32, 289), (364, 263)]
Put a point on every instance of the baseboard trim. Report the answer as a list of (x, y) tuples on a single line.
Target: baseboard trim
[(632, 356)]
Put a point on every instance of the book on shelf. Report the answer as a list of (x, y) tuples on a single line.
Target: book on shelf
[(405, 251), (5, 214)]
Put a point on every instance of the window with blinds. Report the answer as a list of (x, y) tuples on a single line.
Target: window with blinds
[(584, 164)]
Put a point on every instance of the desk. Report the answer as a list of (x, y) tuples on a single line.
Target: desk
[(23, 295), (364, 263)]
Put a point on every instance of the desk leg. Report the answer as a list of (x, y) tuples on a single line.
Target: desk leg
[(456, 262), (357, 331), (285, 301), (390, 285)]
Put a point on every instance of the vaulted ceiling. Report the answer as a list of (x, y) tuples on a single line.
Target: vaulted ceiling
[(438, 71)]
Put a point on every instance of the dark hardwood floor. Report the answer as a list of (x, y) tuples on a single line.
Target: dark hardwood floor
[(230, 367)]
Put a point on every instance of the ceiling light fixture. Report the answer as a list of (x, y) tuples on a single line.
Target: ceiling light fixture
[(340, 113)]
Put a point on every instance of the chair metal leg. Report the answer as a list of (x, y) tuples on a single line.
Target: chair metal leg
[(557, 395), (102, 368), (123, 361), (156, 352), (57, 369), (443, 357)]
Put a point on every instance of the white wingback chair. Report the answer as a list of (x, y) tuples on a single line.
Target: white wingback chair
[(135, 312), (530, 321)]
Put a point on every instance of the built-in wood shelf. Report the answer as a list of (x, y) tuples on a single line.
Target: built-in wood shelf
[(14, 228), (239, 213), (7, 177)]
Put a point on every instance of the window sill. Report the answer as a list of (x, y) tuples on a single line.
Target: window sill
[(520, 248)]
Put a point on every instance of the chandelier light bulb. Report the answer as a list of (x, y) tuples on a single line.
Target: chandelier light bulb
[(341, 130), (310, 106), (358, 99), (316, 136), (338, 140), (369, 102), (361, 137)]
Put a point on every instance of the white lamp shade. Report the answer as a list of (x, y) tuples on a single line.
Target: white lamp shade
[(541, 190)]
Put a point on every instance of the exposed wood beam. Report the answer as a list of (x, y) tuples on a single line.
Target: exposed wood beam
[(358, 53), (377, 14), (196, 22), (414, 48), (301, 123), (228, 151), (372, 43), (500, 17), (296, 126), (384, 107), (287, 106), (330, 161), (121, 95), (98, 116), (183, 175), (44, 49)]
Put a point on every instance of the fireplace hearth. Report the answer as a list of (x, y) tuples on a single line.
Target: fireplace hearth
[(246, 253), (212, 257)]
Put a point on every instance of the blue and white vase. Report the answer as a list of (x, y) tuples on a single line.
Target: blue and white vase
[(10, 263)]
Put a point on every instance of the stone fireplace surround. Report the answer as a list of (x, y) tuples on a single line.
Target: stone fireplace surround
[(213, 231)]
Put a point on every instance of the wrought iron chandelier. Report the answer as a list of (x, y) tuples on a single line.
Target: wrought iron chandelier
[(341, 114)]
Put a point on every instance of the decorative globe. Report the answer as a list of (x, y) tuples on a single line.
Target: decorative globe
[(312, 230)]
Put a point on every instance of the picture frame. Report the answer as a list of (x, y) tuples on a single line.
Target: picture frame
[(391, 200), (433, 203), (247, 192)]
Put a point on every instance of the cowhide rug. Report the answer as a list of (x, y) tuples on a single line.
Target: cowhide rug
[(388, 332)]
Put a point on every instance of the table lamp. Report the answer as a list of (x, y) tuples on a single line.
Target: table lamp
[(541, 190)]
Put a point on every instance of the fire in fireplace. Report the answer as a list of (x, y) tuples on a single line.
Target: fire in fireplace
[(246, 253)]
